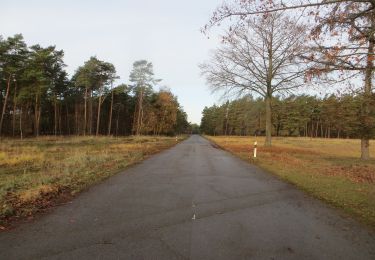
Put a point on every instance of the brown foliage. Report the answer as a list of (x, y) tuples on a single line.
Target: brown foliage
[(356, 173)]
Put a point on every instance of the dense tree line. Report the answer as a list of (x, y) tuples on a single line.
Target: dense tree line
[(308, 116), (37, 97)]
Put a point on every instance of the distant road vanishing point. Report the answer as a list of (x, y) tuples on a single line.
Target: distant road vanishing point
[(193, 201)]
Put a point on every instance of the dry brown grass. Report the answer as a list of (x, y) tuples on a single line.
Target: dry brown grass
[(36, 173), (330, 169)]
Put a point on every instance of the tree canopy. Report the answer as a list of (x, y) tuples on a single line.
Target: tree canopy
[(37, 97)]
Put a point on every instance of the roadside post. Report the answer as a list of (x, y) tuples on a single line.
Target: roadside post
[(176, 138), (255, 149)]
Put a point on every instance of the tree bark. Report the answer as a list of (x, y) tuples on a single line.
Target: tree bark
[(21, 132), (118, 115), (268, 141), (67, 119), (37, 114), (14, 109), (77, 126), (365, 149), (90, 112), (329, 131), (365, 141), (110, 115), (55, 115), (4, 105), (139, 112), (98, 117), (85, 119), (60, 118), (270, 76)]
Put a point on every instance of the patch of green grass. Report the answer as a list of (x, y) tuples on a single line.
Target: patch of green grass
[(34, 172), (329, 169)]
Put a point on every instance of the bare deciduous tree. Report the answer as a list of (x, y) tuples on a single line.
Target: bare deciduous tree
[(261, 58), (350, 28)]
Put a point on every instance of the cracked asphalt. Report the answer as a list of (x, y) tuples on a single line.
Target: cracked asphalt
[(193, 201)]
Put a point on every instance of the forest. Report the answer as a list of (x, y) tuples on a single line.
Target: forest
[(37, 96), (331, 116)]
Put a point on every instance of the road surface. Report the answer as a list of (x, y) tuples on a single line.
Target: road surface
[(193, 201)]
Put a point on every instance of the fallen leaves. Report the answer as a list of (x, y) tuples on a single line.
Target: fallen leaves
[(356, 173)]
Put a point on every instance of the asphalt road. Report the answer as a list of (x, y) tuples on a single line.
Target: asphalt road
[(193, 201)]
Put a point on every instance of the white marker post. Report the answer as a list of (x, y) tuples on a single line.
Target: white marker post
[(176, 138), (255, 149)]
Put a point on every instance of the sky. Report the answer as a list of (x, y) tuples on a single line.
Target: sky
[(165, 32)]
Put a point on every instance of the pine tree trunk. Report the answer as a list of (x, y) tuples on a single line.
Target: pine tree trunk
[(135, 117), (98, 117), (139, 112), (14, 109), (4, 105), (38, 122), (55, 116), (77, 128), (90, 119), (141, 125), (110, 115), (85, 119), (329, 131), (21, 132), (36, 115), (60, 118), (118, 115), (67, 119)]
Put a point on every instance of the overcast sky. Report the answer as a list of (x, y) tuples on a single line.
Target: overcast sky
[(165, 32)]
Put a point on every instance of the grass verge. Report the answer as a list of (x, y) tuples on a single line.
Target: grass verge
[(329, 169), (36, 174)]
